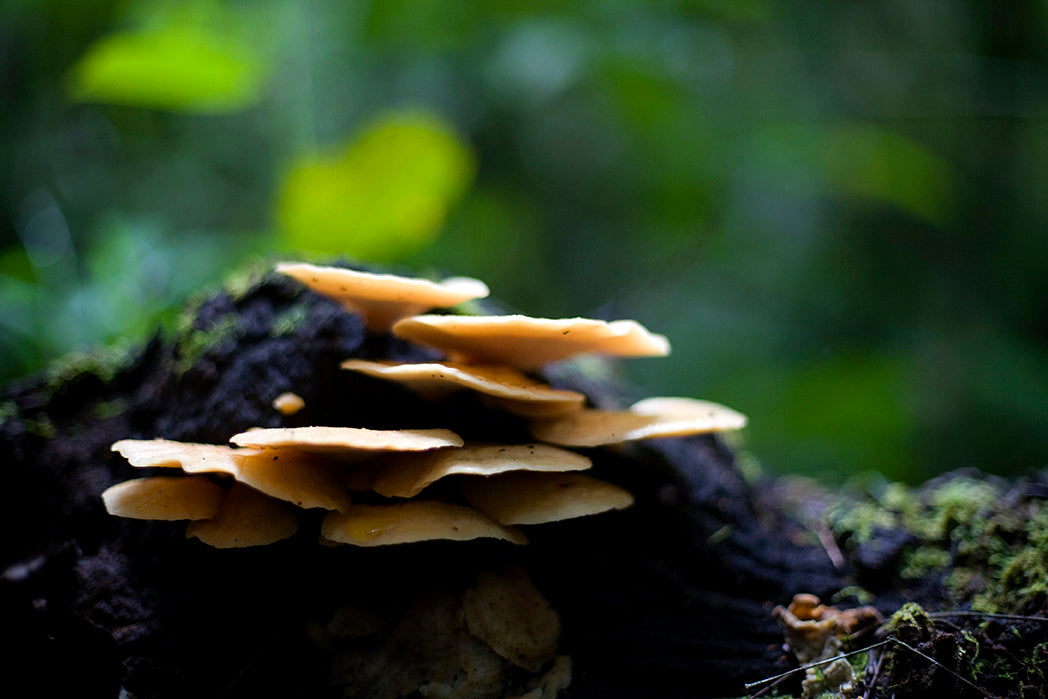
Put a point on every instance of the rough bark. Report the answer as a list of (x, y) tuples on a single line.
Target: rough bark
[(670, 598)]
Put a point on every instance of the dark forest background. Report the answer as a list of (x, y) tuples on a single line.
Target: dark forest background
[(837, 211)]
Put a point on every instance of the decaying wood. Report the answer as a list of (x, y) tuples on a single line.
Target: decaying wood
[(673, 597)]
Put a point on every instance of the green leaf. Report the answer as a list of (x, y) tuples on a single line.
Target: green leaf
[(175, 67), (384, 196)]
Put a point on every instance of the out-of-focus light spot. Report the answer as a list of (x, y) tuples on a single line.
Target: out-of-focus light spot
[(383, 197), (45, 237)]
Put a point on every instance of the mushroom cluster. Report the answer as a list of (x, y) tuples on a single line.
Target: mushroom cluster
[(397, 486)]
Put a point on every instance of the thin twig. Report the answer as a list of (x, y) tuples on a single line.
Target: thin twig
[(817, 663), (988, 615), (868, 694), (935, 662)]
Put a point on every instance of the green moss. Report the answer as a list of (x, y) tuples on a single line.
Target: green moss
[(919, 562), (8, 410), (194, 343), (286, 322), (104, 362), (108, 409), (981, 544), (40, 426)]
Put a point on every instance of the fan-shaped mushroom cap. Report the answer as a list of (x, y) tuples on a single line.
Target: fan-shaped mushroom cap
[(164, 497), (513, 390), (189, 456), (406, 475), (525, 497), (647, 419), (245, 518), (383, 298), (528, 343), (285, 474), (347, 442), (412, 520)]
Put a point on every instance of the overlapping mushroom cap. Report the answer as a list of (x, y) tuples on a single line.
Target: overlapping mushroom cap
[(398, 486), (529, 343), (383, 298)]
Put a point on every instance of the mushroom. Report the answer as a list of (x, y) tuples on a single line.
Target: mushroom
[(406, 475), (347, 443), (507, 387), (410, 521), (534, 498), (507, 612), (288, 403), (285, 474), (164, 497), (245, 518), (383, 298), (646, 419), (529, 343)]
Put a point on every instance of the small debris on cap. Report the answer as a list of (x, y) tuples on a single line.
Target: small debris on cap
[(529, 343), (383, 298), (288, 403), (512, 389), (245, 518), (406, 475), (534, 498), (647, 419), (347, 442), (410, 521), (164, 497)]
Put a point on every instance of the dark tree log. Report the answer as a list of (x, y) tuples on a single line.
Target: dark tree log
[(672, 597)]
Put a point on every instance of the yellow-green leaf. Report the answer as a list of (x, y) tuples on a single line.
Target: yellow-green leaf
[(177, 68), (384, 196)]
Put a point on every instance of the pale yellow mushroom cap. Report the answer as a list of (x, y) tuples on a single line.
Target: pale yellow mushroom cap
[(285, 474), (410, 521), (347, 442), (245, 518), (164, 498), (647, 419), (406, 475), (383, 298), (525, 497), (510, 388), (529, 343)]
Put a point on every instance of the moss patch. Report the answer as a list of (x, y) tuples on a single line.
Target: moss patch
[(972, 540)]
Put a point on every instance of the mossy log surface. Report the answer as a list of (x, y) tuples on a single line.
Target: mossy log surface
[(672, 597)]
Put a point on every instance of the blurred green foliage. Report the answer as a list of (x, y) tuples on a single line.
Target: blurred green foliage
[(835, 210)]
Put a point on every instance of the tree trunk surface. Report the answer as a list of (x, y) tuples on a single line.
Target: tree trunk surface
[(672, 597)]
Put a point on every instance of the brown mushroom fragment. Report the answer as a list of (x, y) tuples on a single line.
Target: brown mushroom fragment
[(245, 518), (289, 475), (412, 520), (529, 343), (506, 611), (383, 298), (348, 443), (164, 498), (510, 388), (406, 475), (534, 498), (647, 419)]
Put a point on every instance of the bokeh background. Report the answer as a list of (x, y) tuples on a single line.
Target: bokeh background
[(837, 211)]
